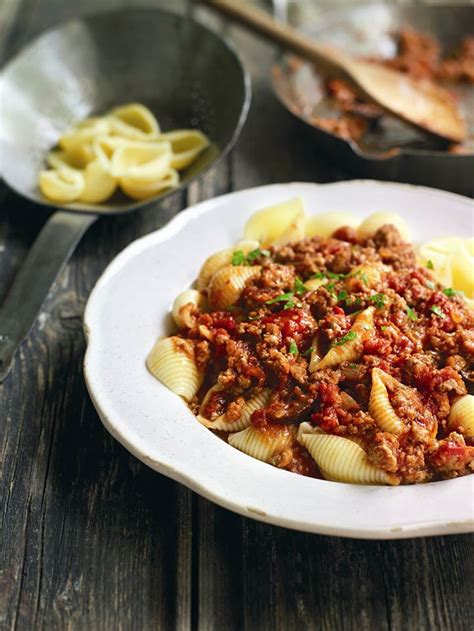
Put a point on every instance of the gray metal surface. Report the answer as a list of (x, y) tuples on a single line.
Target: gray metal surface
[(396, 152), (187, 75)]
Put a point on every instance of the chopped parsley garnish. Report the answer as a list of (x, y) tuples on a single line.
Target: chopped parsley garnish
[(429, 264), (384, 327), (330, 287), (351, 335), (449, 291), (437, 311), (353, 366), (411, 314), (363, 277), (342, 295), (430, 284), (319, 275), (308, 351), (293, 348), (287, 298), (254, 254), (238, 258), (281, 298), (378, 300), (333, 275), (300, 287)]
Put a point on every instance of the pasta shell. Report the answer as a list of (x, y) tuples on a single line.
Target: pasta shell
[(138, 189), (373, 222), (343, 460), (441, 264), (270, 224), (326, 224), (84, 133), (141, 161), (228, 283), (294, 232), (461, 416), (257, 402), (263, 445), (61, 185), (462, 266), (134, 121), (99, 185), (186, 145), (190, 297), (217, 261), (60, 160), (380, 407), (172, 362), (352, 349)]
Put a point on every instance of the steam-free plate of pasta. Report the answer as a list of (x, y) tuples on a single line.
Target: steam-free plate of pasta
[(131, 307)]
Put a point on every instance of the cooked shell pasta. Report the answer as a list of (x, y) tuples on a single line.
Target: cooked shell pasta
[(172, 361), (228, 283), (263, 445), (367, 275), (186, 145), (326, 224), (373, 222), (342, 460), (380, 407), (141, 161), (184, 305), (139, 189), (138, 117), (61, 185), (221, 423), (350, 346), (220, 259), (99, 184), (270, 224), (461, 416)]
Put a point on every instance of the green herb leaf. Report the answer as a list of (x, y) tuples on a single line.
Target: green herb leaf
[(293, 348), (300, 287), (449, 291), (347, 338), (429, 264), (330, 287), (411, 314), (308, 351), (319, 275), (437, 311), (238, 258), (281, 298), (342, 295), (335, 276), (363, 277), (383, 327), (254, 254), (353, 366), (378, 300)]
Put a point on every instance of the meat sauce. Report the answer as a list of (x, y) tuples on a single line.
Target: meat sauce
[(422, 337)]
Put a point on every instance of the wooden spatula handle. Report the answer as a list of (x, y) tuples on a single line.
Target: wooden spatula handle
[(326, 57)]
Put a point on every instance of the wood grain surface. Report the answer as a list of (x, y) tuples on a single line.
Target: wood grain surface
[(92, 539)]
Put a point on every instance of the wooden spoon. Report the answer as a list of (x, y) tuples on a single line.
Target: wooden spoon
[(418, 102)]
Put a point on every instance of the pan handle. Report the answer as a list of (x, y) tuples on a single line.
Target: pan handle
[(43, 264)]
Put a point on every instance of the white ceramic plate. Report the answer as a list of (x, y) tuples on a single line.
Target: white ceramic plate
[(129, 308)]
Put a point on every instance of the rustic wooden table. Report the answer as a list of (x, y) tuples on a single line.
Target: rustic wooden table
[(92, 539)]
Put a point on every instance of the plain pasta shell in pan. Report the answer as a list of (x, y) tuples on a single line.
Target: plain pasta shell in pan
[(61, 185), (342, 460), (186, 145), (172, 362), (228, 283), (262, 445), (461, 416)]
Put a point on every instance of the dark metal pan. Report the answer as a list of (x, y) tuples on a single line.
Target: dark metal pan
[(185, 73), (396, 152)]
